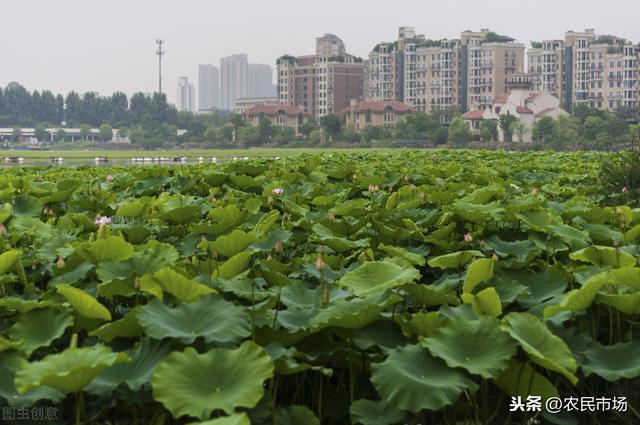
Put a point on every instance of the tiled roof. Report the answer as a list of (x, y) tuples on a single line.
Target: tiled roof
[(475, 114), (544, 112), (522, 110), (532, 96), (502, 98), (381, 106), (274, 110)]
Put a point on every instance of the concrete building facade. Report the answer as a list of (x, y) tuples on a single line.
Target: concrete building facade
[(261, 81), (208, 87), (323, 83), (234, 79), (186, 96), (280, 116), (363, 114)]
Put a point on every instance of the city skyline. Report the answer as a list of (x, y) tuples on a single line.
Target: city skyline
[(119, 56)]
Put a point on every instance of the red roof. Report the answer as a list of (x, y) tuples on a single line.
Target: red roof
[(544, 112), (522, 110), (274, 110), (503, 98), (532, 96), (381, 106), (475, 114)]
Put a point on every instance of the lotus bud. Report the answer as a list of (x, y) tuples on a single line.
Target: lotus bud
[(355, 177), (494, 257), (468, 238), (269, 257), (109, 178), (482, 242), (3, 230), (214, 254), (60, 263), (618, 210), (277, 191), (33, 267), (319, 263), (371, 190), (413, 187), (534, 191), (278, 247), (616, 243), (434, 158), (331, 216), (423, 195), (625, 190), (406, 178), (285, 216), (136, 283), (270, 200)]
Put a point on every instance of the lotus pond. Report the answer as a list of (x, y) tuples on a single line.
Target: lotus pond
[(372, 288)]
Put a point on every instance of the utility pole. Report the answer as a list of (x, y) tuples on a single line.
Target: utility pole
[(160, 52)]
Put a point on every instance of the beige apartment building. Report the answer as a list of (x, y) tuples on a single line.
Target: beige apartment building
[(442, 74), (600, 71), (323, 83)]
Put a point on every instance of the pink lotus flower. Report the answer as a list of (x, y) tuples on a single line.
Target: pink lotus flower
[(468, 238), (277, 191), (625, 190), (3, 230), (102, 220), (109, 178), (319, 263)]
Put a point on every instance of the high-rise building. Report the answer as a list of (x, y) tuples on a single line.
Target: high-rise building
[(186, 95), (442, 74), (234, 79), (323, 83), (208, 87), (261, 81)]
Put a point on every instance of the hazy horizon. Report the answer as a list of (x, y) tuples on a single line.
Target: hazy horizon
[(106, 47)]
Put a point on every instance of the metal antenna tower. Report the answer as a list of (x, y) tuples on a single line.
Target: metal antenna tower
[(160, 52)]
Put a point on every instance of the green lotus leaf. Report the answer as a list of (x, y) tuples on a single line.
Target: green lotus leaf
[(22, 306), (235, 419), (429, 295), (477, 213), (233, 243), (83, 303), (377, 276), (543, 347), (480, 270), (266, 222), (27, 206), (455, 260), (69, 371), (604, 256), (353, 314), (294, 415), (486, 302), (113, 248), (182, 215), (188, 383), (543, 286), (39, 328), (520, 379), (410, 257), (626, 276), (422, 324), (172, 282), (10, 363), (626, 303), (211, 317), (384, 334), (286, 363), (579, 299), (135, 208), (476, 345), (145, 357), (8, 260), (154, 257), (412, 379), (226, 217), (370, 412), (233, 266), (613, 362), (5, 212), (127, 327)]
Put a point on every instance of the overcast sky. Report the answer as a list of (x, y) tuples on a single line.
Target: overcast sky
[(108, 45)]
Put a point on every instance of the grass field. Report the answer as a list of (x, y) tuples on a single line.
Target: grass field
[(219, 153)]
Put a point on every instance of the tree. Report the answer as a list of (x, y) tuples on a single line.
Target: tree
[(60, 135), (520, 130), (566, 132), (506, 122), (123, 132), (285, 135), (543, 130), (85, 132), (266, 130), (106, 133), (306, 128), (372, 133), (40, 133), (489, 130), (441, 136), (459, 132), (314, 137), (592, 127), (331, 124)]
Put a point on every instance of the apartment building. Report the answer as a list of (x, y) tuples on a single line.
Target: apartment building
[(600, 71), (442, 74), (322, 83), (186, 95), (208, 87)]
